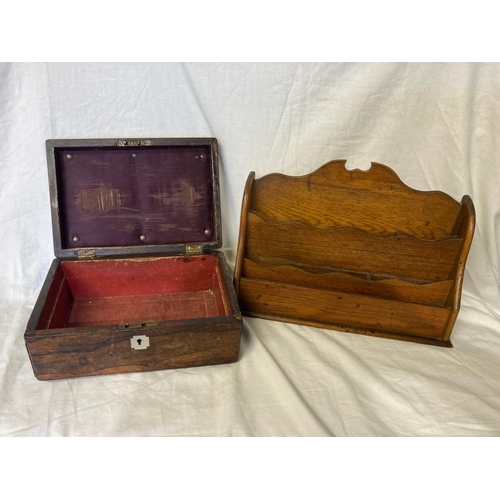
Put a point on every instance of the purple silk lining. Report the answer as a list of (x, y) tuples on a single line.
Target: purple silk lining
[(135, 196)]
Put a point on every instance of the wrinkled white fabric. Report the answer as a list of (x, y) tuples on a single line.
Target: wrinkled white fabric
[(436, 125)]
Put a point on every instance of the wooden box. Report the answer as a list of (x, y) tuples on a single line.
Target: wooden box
[(354, 251), (138, 283)]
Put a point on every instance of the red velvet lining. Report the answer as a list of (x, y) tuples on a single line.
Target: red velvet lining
[(129, 277), (109, 292), (141, 308)]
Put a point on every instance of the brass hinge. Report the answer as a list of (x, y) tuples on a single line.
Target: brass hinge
[(193, 250), (86, 253)]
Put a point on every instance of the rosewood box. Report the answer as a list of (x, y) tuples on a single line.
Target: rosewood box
[(354, 251), (138, 282)]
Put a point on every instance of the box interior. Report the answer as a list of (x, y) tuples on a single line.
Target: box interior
[(123, 291), (135, 196)]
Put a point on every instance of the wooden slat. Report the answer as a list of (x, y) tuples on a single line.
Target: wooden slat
[(433, 294), (240, 251), (322, 306), (376, 201), (402, 256), (464, 227)]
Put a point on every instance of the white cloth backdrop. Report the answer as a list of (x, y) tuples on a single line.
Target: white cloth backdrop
[(436, 125)]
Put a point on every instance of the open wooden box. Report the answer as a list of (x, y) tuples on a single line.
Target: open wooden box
[(354, 251), (138, 283)]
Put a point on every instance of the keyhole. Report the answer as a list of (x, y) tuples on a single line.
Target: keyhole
[(141, 342)]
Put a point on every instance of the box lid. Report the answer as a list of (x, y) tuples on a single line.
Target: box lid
[(113, 197)]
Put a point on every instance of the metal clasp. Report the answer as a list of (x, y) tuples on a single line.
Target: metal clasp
[(133, 326), (133, 142)]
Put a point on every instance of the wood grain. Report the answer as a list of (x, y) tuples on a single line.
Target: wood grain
[(342, 308), (245, 207), (78, 352), (399, 255), (375, 201), (464, 228), (432, 293), (354, 251)]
